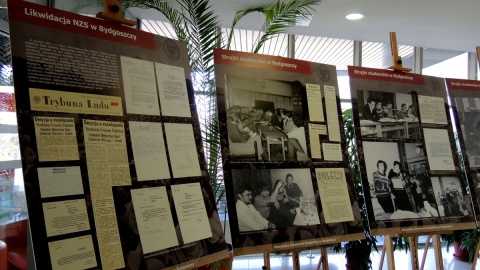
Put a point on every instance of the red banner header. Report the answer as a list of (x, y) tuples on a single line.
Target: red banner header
[(458, 84), (385, 75), (253, 60), (26, 12)]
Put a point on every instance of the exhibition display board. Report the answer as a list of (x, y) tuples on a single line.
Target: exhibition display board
[(465, 101), (284, 154), (408, 159), (115, 174)]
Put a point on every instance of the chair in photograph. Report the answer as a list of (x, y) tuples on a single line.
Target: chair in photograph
[(244, 150)]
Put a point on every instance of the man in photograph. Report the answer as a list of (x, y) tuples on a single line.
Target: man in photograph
[(388, 110), (293, 191), (263, 202), (369, 111), (271, 118), (249, 219), (403, 113), (256, 114), (379, 109)]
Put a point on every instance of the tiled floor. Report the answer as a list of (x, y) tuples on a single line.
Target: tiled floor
[(337, 261)]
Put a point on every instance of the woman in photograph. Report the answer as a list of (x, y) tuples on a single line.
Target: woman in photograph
[(382, 187), (401, 199), (297, 144), (280, 214)]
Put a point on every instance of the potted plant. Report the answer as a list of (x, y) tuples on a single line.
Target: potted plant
[(196, 24), (469, 243), (464, 243), (357, 253)]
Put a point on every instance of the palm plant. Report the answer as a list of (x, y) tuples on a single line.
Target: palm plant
[(359, 250), (196, 24)]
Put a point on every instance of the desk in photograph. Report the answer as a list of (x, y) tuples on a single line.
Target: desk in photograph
[(377, 129), (273, 136), (307, 213)]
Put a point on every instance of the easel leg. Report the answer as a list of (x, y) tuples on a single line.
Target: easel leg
[(437, 247), (475, 256), (295, 261), (389, 250), (382, 256), (324, 258), (413, 241), (425, 251), (266, 260), (320, 262)]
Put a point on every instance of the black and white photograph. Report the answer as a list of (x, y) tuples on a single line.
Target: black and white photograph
[(388, 115), (265, 120), (449, 196), (274, 199), (400, 186), (476, 185), (468, 110)]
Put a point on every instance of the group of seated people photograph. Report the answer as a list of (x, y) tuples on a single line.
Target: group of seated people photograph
[(270, 205), (398, 191), (375, 109), (388, 115), (271, 134)]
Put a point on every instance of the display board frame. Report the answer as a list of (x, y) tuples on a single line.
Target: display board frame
[(308, 92), (114, 168), (464, 96), (419, 141)]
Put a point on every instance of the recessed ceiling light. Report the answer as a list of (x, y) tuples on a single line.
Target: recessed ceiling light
[(355, 16)]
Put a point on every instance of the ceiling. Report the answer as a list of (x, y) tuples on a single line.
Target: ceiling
[(439, 24)]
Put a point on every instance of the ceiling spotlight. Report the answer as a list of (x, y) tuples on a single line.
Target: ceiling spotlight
[(355, 16)]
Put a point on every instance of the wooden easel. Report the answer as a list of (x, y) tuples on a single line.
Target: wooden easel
[(295, 260), (112, 12), (478, 53), (388, 241), (266, 261), (437, 248), (388, 249), (396, 59), (323, 263), (413, 241), (477, 250)]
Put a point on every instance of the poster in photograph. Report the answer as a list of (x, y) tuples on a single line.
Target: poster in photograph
[(97, 144), (465, 100), (407, 153), (282, 142)]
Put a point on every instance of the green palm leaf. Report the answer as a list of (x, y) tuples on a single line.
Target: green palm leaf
[(278, 18), (198, 26)]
